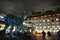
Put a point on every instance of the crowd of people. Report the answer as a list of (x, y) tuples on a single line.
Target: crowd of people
[(27, 36), (51, 36)]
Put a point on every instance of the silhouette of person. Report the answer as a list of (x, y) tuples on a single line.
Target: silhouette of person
[(49, 34), (58, 34), (43, 35)]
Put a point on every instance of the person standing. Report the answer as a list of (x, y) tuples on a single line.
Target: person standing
[(58, 34), (43, 35), (49, 35)]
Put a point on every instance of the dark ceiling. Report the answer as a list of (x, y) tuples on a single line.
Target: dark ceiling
[(15, 6)]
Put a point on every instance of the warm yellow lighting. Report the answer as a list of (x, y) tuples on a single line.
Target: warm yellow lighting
[(38, 31), (2, 26), (28, 18), (1, 17), (42, 16), (49, 15), (45, 16), (58, 14), (53, 15)]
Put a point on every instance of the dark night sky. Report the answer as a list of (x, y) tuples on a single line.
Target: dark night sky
[(14, 6)]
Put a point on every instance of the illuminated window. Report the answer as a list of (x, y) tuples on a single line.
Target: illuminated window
[(57, 22), (43, 20), (44, 26), (58, 15), (58, 26), (49, 15), (40, 27), (48, 20), (42, 16), (52, 22), (45, 16), (36, 21), (53, 26), (48, 23), (40, 24), (35, 17), (57, 19), (48, 26), (36, 27), (53, 15)]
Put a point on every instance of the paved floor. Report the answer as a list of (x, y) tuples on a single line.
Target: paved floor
[(39, 37), (53, 37)]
